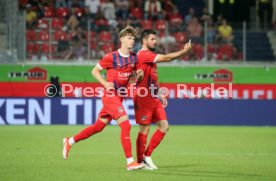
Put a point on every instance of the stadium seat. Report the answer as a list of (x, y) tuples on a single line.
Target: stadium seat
[(32, 48), (146, 24), (105, 36), (45, 48), (57, 23), (225, 52), (43, 36), (93, 35), (108, 47), (180, 37), (93, 45), (137, 13), (30, 35), (79, 11), (60, 35), (198, 51), (48, 12), (43, 24), (101, 22), (62, 12), (160, 25)]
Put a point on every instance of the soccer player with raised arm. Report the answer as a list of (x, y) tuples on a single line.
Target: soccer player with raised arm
[(119, 66), (150, 108)]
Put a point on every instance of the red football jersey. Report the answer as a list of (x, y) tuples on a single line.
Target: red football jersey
[(146, 60), (119, 67)]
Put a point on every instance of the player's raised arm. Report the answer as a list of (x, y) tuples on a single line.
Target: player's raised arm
[(171, 56)]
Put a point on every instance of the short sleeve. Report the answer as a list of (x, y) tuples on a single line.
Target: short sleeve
[(147, 57), (105, 62)]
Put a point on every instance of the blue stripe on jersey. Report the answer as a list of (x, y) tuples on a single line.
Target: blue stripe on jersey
[(126, 62), (121, 60), (149, 81), (115, 85), (114, 60), (131, 59), (135, 58)]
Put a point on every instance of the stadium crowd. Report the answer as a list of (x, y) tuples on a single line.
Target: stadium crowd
[(66, 29)]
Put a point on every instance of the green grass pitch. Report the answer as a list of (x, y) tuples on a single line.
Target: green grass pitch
[(186, 153)]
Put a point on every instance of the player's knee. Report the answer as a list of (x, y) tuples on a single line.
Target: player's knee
[(164, 127)]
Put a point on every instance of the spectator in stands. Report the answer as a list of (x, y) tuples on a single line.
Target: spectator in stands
[(225, 33), (75, 4), (60, 3), (73, 21), (93, 7), (190, 15), (31, 17), (176, 20), (211, 31), (152, 10), (219, 20), (194, 29), (206, 16), (77, 51), (108, 9), (168, 6), (122, 9)]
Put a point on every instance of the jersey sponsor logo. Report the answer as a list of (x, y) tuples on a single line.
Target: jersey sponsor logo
[(124, 75), (143, 118)]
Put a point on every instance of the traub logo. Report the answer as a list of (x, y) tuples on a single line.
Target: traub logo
[(35, 73), (222, 75)]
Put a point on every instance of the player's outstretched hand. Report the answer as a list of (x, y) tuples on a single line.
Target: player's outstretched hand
[(109, 86), (188, 46)]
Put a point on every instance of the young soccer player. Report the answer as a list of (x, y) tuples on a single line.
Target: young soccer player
[(150, 108), (119, 66)]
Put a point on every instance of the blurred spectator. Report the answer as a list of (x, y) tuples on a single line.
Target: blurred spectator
[(211, 31), (122, 8), (108, 9), (73, 21), (206, 16), (60, 3), (168, 6), (176, 20), (219, 20), (152, 10), (194, 29), (225, 33), (31, 17), (93, 7), (190, 15), (77, 51), (265, 13), (75, 4)]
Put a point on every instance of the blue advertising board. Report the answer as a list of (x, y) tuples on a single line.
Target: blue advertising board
[(73, 111)]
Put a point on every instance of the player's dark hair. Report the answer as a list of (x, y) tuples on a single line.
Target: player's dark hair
[(145, 34)]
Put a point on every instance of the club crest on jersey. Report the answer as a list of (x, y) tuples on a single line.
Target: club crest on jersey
[(120, 109), (143, 118)]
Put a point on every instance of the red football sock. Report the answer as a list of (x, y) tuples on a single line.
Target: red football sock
[(154, 141), (141, 146), (89, 131), (125, 138)]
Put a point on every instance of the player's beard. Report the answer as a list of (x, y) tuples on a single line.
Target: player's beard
[(151, 48)]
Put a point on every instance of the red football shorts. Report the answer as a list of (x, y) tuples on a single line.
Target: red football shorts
[(148, 110), (112, 108)]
